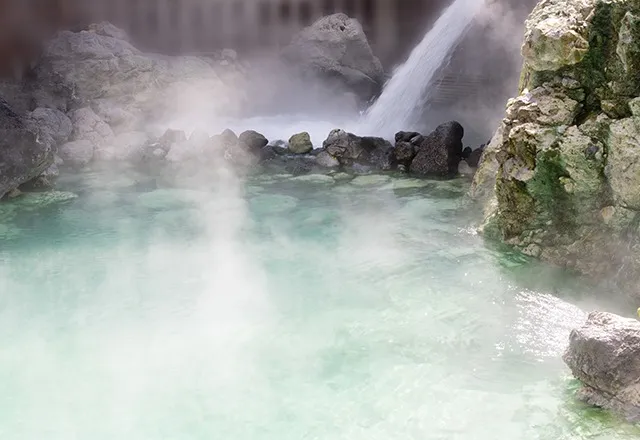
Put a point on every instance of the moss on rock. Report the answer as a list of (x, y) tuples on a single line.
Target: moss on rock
[(561, 180)]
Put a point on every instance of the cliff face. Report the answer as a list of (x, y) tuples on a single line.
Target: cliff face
[(561, 177)]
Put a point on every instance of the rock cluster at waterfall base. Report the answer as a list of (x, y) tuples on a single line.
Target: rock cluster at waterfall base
[(94, 97), (560, 179), (604, 354)]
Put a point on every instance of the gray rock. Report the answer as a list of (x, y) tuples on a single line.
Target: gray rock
[(23, 154), (84, 66), (404, 152), (77, 154), (54, 123), (128, 147), (335, 47), (351, 150), (300, 143), (326, 160), (87, 126), (604, 354), (106, 29), (440, 151), (252, 141)]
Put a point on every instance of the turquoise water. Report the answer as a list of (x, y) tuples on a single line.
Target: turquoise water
[(279, 308)]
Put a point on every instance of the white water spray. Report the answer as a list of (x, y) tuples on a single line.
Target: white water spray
[(395, 108)]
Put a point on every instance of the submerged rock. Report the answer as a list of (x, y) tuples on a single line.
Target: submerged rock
[(561, 174), (604, 354), (335, 48), (24, 155)]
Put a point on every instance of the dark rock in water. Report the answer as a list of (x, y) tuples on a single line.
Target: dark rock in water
[(349, 149), (473, 159), (406, 136), (23, 154), (300, 143), (404, 153), (252, 140), (336, 49), (604, 354), (440, 152), (466, 152)]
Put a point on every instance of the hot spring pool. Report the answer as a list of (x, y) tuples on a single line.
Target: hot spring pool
[(279, 308)]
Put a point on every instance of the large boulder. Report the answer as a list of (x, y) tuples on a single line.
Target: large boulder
[(24, 155), (560, 178), (440, 152), (604, 354), (336, 48), (350, 150), (99, 67), (52, 122)]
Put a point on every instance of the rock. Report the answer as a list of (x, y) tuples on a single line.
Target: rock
[(54, 123), (252, 141), (604, 354), (24, 155), (440, 152), (473, 159), (336, 48), (100, 67), (77, 154), (106, 29), (562, 172), (326, 160), (353, 151), (87, 126), (406, 136), (129, 147), (300, 143), (87, 65), (404, 153)]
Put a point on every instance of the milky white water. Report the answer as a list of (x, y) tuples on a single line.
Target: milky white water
[(409, 86), (279, 308)]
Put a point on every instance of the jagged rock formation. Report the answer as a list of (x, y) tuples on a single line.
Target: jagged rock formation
[(24, 152), (561, 177), (336, 48), (604, 354)]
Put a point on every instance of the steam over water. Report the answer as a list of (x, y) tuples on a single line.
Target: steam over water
[(409, 86), (278, 307)]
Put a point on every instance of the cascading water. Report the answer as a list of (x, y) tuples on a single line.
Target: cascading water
[(395, 108)]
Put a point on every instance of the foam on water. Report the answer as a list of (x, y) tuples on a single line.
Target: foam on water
[(409, 86)]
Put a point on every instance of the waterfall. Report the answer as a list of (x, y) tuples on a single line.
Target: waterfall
[(394, 110)]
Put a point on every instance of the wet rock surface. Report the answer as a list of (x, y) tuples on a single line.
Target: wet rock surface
[(335, 49), (559, 179), (604, 354), (24, 155)]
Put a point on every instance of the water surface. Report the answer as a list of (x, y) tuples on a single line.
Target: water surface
[(279, 308)]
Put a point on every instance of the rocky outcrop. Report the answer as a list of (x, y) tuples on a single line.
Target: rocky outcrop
[(560, 177), (99, 67), (604, 354), (24, 154), (335, 48)]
